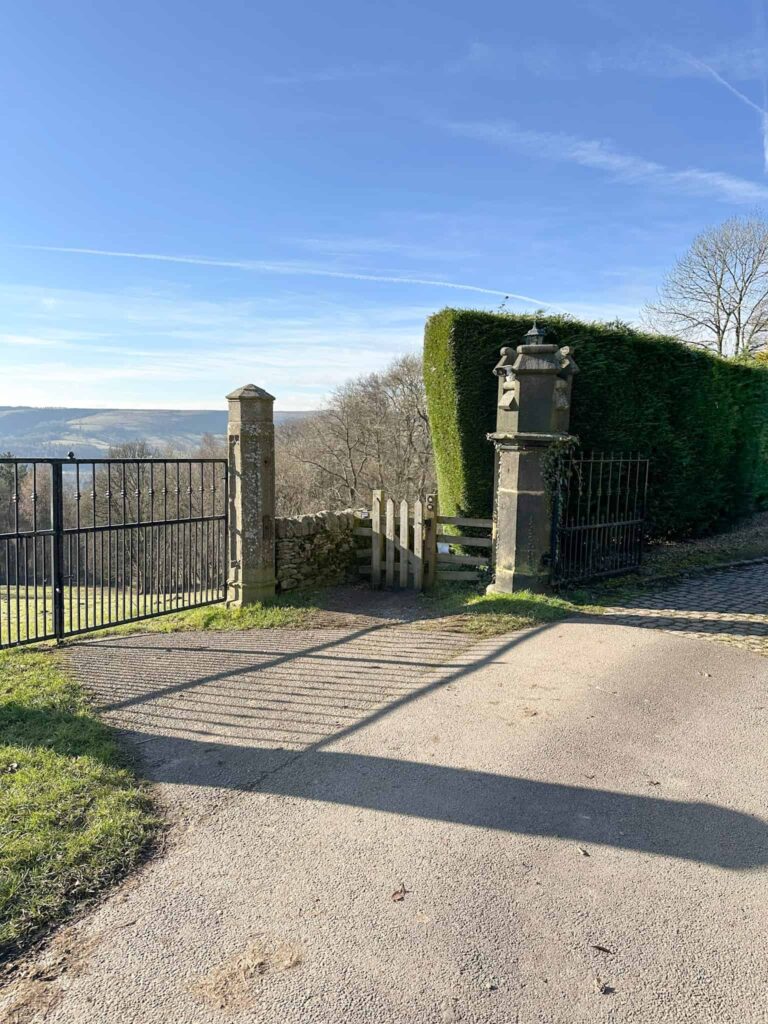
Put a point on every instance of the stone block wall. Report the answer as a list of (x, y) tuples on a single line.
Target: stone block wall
[(318, 550)]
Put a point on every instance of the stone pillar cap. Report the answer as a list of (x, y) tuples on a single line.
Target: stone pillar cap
[(249, 391), (536, 349)]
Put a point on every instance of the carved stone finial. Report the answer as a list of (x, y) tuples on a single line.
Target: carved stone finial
[(536, 334), (504, 365), (249, 391)]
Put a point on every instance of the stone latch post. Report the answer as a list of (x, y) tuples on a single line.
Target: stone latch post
[(534, 401), (251, 447)]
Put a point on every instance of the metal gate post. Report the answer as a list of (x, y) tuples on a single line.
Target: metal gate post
[(554, 537), (57, 514)]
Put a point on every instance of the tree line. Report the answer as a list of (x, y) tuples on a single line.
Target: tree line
[(373, 433)]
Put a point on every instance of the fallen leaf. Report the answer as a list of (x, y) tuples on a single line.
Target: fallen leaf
[(653, 782), (603, 949), (399, 894), (602, 987), (582, 851)]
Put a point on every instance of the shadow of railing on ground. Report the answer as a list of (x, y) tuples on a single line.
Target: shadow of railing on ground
[(257, 712)]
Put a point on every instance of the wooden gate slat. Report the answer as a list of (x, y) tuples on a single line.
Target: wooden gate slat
[(483, 524), (405, 529), (462, 560), (469, 542), (377, 538), (390, 543), (430, 542), (418, 545)]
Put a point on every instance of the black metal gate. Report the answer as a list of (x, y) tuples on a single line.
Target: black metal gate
[(90, 543), (598, 516)]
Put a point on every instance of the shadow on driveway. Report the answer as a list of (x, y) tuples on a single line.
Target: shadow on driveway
[(256, 712), (701, 832)]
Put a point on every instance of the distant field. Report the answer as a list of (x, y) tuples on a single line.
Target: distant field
[(29, 614), (49, 432)]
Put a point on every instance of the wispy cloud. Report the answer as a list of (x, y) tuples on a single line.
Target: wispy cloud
[(533, 57), (292, 269), (346, 246), (600, 155), (710, 67), (170, 348), (640, 55), (742, 61), (330, 74), (29, 341)]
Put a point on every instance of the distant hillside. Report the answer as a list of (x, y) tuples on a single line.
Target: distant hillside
[(26, 430)]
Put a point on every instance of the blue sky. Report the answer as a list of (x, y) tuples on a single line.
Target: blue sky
[(197, 195)]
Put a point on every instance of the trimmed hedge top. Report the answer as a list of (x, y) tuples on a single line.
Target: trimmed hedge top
[(702, 420)]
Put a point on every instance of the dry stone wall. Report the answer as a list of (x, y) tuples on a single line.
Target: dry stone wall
[(318, 550)]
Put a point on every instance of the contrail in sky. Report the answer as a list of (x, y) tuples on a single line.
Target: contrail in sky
[(259, 266), (627, 25), (703, 66)]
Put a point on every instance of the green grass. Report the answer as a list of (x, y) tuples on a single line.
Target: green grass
[(73, 818), (287, 610), (22, 616), (479, 614), (83, 608)]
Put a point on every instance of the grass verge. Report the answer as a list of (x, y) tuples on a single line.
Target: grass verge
[(746, 541), (469, 611), (73, 818), (286, 610), (22, 616)]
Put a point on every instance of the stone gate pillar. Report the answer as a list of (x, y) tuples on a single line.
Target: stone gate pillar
[(533, 411), (251, 445)]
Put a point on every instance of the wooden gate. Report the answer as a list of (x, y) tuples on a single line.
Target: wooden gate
[(410, 547)]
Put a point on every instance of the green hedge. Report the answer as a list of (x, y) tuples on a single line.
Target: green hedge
[(702, 420)]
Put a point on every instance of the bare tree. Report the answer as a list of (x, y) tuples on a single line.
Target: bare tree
[(716, 296), (374, 433)]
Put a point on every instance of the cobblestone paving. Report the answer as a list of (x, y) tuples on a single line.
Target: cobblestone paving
[(730, 606)]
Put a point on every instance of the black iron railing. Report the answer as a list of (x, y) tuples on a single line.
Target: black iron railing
[(89, 543), (598, 516)]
